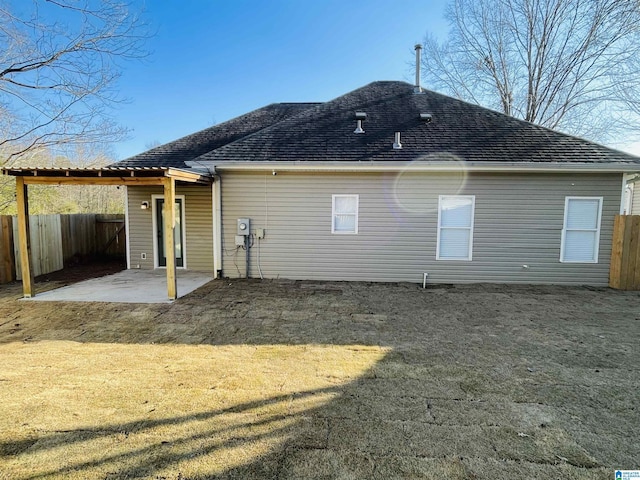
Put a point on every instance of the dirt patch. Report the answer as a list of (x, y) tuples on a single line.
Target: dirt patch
[(283, 379)]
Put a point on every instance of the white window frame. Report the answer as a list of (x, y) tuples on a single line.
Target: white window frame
[(154, 225), (596, 230), (470, 227), (333, 214)]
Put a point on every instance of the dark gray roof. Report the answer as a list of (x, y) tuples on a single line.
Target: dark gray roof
[(324, 132), (176, 153), (458, 130)]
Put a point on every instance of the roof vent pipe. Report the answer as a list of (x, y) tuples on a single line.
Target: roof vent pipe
[(418, 87), (397, 145), (358, 127)]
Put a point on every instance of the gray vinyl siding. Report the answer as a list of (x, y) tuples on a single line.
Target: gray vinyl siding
[(518, 221), (198, 222), (635, 202)]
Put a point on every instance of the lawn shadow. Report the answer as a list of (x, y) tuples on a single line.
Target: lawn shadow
[(484, 381), (204, 433)]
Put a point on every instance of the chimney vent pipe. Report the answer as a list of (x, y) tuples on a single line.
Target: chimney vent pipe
[(418, 87)]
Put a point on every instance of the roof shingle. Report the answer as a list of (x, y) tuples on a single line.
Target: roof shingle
[(176, 153), (324, 132)]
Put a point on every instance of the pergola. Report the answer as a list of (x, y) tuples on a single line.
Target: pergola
[(165, 176)]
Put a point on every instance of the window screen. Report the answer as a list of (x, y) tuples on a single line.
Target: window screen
[(455, 227), (344, 214), (581, 230)]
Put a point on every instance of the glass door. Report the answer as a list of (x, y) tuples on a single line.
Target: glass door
[(177, 233)]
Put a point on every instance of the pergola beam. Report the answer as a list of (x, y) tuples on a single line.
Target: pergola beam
[(107, 175), (93, 180), (127, 176)]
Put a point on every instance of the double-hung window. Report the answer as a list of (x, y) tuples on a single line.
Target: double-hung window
[(455, 227), (581, 229), (344, 214)]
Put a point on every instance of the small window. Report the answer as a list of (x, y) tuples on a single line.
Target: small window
[(581, 229), (455, 227), (344, 214)]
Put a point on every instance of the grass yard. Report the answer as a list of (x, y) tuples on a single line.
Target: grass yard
[(295, 380)]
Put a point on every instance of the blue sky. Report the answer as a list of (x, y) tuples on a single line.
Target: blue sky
[(214, 60)]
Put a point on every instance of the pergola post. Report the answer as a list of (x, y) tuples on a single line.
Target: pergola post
[(24, 240), (169, 241)]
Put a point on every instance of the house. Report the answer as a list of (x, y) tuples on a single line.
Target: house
[(386, 183)]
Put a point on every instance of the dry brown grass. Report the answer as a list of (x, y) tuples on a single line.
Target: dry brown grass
[(93, 410), (295, 380)]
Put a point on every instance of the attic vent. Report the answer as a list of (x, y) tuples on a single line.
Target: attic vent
[(397, 145), (360, 116), (426, 117)]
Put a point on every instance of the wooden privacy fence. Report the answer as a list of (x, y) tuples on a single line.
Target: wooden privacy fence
[(46, 245), (6, 249), (58, 240), (624, 272)]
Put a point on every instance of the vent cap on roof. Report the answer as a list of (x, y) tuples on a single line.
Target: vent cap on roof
[(360, 116), (397, 145)]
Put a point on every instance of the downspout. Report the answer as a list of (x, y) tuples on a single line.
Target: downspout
[(217, 224), (625, 179)]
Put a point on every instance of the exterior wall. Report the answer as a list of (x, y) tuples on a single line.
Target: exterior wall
[(635, 202), (198, 222), (518, 221)]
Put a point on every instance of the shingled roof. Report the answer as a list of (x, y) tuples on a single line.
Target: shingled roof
[(176, 153), (325, 132)]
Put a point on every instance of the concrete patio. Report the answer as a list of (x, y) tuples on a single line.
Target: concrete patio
[(128, 286)]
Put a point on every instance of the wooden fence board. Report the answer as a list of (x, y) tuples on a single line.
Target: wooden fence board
[(624, 272), (79, 235), (615, 269), (634, 273), (7, 257), (110, 235), (46, 245), (57, 239)]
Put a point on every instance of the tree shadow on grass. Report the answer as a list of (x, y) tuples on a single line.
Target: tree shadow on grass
[(478, 382), (168, 441)]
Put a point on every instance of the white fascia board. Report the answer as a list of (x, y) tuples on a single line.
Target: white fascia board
[(301, 166)]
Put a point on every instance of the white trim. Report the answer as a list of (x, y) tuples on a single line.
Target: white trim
[(333, 213), (597, 230), (623, 199), (426, 166), (470, 227), (629, 200), (127, 240), (155, 229)]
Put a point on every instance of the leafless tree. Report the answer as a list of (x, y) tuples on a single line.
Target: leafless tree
[(66, 198), (59, 64), (565, 64)]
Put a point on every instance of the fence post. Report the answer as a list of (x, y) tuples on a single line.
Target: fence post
[(7, 259), (624, 272)]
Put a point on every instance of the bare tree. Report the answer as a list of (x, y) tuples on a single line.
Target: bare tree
[(66, 198), (59, 63), (565, 64)]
